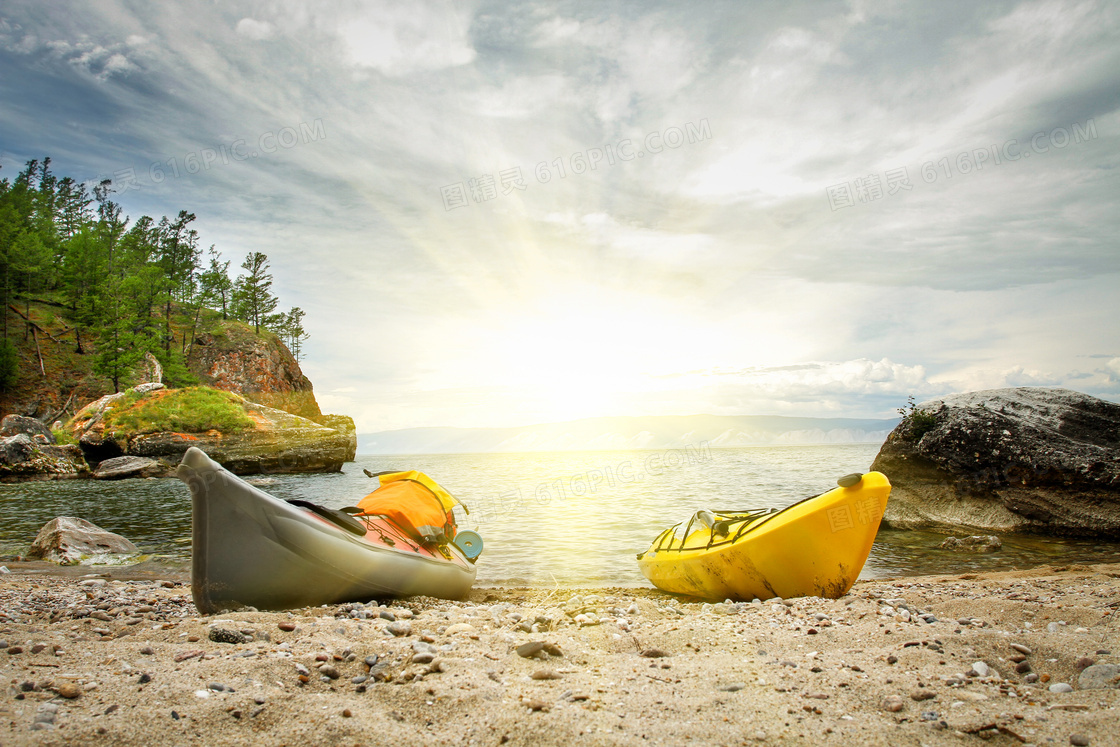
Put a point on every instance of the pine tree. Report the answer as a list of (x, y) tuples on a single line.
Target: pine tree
[(296, 334), (216, 284), (253, 294)]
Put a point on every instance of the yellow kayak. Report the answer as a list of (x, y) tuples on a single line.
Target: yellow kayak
[(816, 547)]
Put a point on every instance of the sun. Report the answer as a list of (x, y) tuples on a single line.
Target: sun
[(585, 357)]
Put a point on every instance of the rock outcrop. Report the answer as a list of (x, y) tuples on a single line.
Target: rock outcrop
[(22, 458), (13, 425), (274, 441), (1025, 459), (68, 541), (258, 367), (280, 442)]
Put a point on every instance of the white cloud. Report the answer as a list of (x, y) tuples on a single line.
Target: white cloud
[(398, 39), (254, 29)]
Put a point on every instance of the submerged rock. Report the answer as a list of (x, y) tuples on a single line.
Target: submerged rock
[(68, 540), (974, 544), (119, 468), (1026, 459)]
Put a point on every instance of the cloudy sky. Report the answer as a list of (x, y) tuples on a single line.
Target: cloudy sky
[(498, 214)]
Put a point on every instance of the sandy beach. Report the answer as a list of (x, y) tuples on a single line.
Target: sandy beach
[(1005, 657)]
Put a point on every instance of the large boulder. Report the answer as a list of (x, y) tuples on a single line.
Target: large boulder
[(119, 468), (68, 540), (13, 425), (22, 458), (1026, 459)]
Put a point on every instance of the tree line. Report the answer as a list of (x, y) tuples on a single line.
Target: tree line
[(121, 283)]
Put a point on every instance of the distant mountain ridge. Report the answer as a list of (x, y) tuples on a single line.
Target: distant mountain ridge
[(621, 433)]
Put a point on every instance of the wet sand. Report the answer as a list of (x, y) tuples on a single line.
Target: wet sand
[(127, 660)]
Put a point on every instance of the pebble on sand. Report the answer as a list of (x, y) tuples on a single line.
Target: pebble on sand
[(68, 690), (893, 703)]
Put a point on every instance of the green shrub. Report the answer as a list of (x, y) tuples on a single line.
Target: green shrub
[(915, 422), (63, 436), (194, 410)]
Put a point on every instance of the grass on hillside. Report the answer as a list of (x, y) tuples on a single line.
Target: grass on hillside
[(193, 409), (64, 373)]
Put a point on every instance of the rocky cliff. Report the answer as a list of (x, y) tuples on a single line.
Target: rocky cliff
[(233, 358), (1025, 459)]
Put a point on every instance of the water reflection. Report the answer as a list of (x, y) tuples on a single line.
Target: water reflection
[(574, 519)]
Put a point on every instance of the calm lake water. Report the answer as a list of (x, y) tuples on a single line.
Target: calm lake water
[(575, 519)]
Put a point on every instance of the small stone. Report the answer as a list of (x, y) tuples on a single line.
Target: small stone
[(532, 648), (892, 659), (1032, 677), (370, 661), (329, 671), (144, 678), (1054, 627), (654, 653), (733, 687), (1084, 662), (980, 669), (459, 628), (223, 635), (552, 649), (287, 626), (387, 615), (15, 650), (346, 713), (1099, 677), (184, 655), (1079, 740), (1061, 687), (1023, 667), (921, 695), (399, 629), (147, 651), (545, 674), (423, 658), (1021, 648), (359, 679), (893, 703), (218, 687), (68, 690)]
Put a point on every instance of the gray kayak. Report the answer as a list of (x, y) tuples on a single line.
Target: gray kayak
[(251, 549)]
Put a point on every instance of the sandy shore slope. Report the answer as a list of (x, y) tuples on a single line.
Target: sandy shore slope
[(130, 662)]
